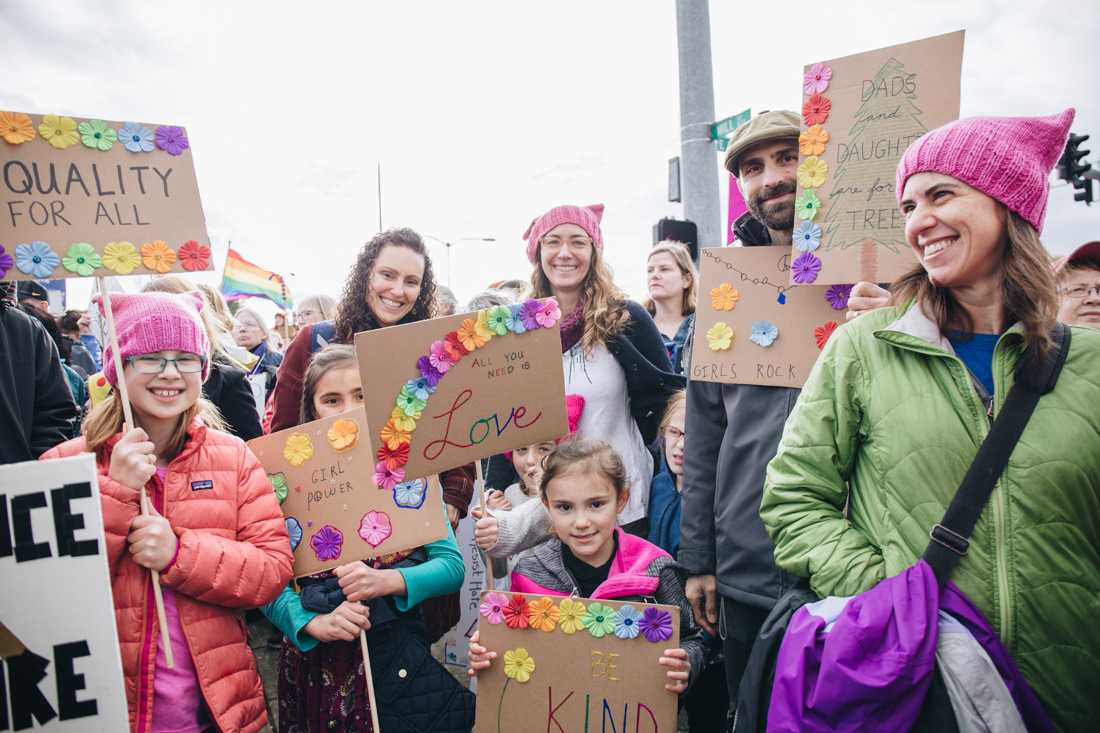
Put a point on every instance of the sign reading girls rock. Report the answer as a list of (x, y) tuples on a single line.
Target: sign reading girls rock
[(859, 114)]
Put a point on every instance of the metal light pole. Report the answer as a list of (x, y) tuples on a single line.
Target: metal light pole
[(699, 167), (448, 245)]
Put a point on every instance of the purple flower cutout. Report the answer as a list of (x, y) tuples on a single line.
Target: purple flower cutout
[(656, 625), (529, 315), (430, 374), (327, 542), (837, 295), (6, 261), (172, 139), (806, 268)]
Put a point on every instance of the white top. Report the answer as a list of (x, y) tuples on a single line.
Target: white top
[(600, 380)]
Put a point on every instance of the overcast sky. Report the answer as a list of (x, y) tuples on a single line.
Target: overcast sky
[(484, 114)]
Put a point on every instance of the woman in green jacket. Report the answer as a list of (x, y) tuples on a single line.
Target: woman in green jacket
[(893, 413)]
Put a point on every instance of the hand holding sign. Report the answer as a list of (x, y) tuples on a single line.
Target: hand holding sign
[(133, 462), (152, 541)]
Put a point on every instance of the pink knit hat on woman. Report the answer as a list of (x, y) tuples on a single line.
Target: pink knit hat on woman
[(152, 322), (1006, 158), (586, 217)]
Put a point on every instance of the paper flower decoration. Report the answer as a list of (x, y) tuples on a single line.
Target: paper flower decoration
[(518, 665), (805, 268), (157, 256), (419, 388), (815, 110), (764, 333), (571, 615), (807, 205), (599, 620), (542, 614), (626, 622), (816, 78), (97, 135), (720, 336), (194, 256), (724, 297), (403, 421), (343, 434), (481, 325), (807, 237), (430, 374), (394, 457), (16, 128), (327, 542), (492, 607), (440, 358), (6, 262), (59, 131), (298, 449), (409, 403), (515, 613), (393, 437), (280, 485), (812, 141), (528, 313), (837, 295), (812, 172), (656, 625), (120, 257), (136, 138), (515, 319), (82, 259), (36, 259), (410, 494), (468, 335), (823, 332), (498, 318), (454, 345), (375, 528), (294, 532), (386, 477), (548, 314), (171, 139)]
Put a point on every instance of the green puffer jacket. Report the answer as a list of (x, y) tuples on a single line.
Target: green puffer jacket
[(889, 421)]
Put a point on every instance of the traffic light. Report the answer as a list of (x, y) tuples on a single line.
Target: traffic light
[(1072, 168), (683, 231)]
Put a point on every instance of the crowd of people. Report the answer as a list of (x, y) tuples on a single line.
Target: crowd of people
[(719, 499)]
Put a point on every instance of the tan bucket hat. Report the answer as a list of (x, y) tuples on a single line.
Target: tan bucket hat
[(772, 125)]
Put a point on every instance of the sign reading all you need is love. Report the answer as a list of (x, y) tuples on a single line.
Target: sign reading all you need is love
[(449, 391)]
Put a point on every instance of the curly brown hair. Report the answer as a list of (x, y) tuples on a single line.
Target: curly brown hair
[(353, 313)]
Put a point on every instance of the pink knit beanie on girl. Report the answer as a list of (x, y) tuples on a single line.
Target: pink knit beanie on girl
[(152, 322), (586, 217), (1006, 158)]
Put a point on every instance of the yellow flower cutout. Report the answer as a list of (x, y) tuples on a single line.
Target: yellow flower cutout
[(120, 257), (543, 614), (720, 337), (59, 131), (481, 326), (812, 141), (158, 256), (518, 665), (343, 434), (403, 422), (469, 335), (298, 449), (812, 172), (393, 436), (570, 613), (724, 297), (16, 127)]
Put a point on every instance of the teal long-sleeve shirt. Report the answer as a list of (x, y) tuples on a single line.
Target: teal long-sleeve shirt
[(440, 574)]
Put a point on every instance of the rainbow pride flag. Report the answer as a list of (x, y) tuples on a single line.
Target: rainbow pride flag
[(242, 279)]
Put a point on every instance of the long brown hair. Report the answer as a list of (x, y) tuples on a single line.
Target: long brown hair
[(333, 356), (1028, 289), (590, 456), (687, 268), (106, 419), (605, 313)]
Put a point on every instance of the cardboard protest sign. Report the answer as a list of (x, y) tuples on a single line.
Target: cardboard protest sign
[(859, 114), (456, 642), (62, 670), (85, 197), (335, 513), (752, 326), (448, 391), (574, 664)]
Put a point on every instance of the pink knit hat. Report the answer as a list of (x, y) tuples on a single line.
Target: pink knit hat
[(586, 217), (151, 322), (1007, 158)]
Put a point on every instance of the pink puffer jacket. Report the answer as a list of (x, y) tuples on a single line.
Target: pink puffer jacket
[(233, 554)]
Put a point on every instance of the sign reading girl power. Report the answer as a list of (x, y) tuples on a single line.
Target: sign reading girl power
[(82, 197), (449, 391)]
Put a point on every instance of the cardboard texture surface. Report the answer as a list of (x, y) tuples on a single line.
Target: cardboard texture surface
[(579, 682), (881, 101), (79, 194), (62, 667), (506, 394), (748, 283), (335, 513)]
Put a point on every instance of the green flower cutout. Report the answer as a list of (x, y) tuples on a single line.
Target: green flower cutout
[(97, 135), (409, 403), (279, 483), (599, 620), (82, 259), (807, 205), (498, 319)]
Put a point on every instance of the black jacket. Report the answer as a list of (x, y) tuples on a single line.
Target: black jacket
[(230, 392), (36, 406)]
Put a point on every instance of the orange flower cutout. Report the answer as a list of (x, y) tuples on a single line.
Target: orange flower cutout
[(343, 434), (392, 437), (812, 141), (542, 614), (823, 332), (724, 297), (469, 337), (16, 127), (157, 256)]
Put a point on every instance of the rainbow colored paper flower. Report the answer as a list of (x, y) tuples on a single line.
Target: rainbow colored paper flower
[(481, 325), (194, 256), (386, 477), (158, 256), (626, 622), (656, 625), (96, 134), (529, 314), (6, 262), (812, 141), (816, 78), (294, 532), (812, 172), (807, 237), (121, 257), (571, 615), (838, 295), (518, 665), (420, 388), (36, 259), (542, 614), (410, 494), (599, 620), (59, 131), (492, 607), (343, 434), (16, 128), (136, 138), (298, 449), (497, 319), (375, 528), (724, 297), (805, 268), (171, 139), (409, 403), (515, 613), (807, 204), (403, 422), (515, 318), (82, 259), (430, 374), (440, 358), (823, 332), (548, 314), (454, 344), (720, 336), (279, 485), (764, 333), (815, 110), (327, 542), (394, 457), (469, 336)]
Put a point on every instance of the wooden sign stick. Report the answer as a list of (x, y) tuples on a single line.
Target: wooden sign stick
[(485, 512), (128, 414), (370, 682)]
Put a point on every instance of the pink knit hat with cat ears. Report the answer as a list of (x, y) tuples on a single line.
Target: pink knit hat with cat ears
[(586, 217), (1006, 158)]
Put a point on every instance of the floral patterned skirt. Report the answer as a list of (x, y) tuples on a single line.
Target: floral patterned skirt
[(323, 689)]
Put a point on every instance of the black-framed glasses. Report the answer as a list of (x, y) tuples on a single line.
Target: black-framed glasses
[(156, 364), (1077, 292)]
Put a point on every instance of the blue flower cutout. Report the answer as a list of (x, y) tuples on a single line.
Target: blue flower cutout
[(515, 321), (627, 622), (420, 388), (136, 138), (764, 333), (410, 494), (294, 530), (36, 259), (807, 237)]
